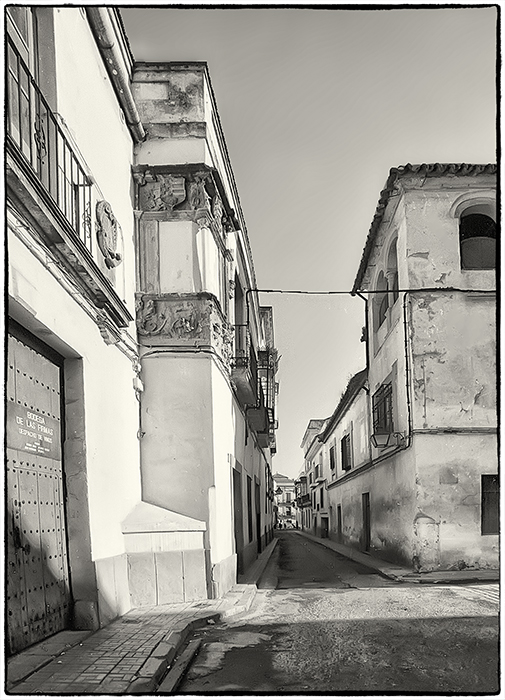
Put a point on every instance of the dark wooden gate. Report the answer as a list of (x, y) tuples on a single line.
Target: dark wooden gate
[(365, 501), (238, 519), (38, 590), (257, 504)]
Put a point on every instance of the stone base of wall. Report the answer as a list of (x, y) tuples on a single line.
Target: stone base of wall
[(158, 578), (112, 583), (224, 575), (166, 560)]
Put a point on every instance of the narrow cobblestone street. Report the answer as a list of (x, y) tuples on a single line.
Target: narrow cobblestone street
[(322, 623)]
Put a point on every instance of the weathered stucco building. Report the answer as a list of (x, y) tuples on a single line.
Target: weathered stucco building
[(426, 494), (128, 281)]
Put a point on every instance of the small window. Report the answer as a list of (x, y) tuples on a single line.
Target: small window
[(393, 271), (345, 448), (322, 498), (490, 506), (477, 237), (382, 407), (316, 472), (381, 301), (333, 459)]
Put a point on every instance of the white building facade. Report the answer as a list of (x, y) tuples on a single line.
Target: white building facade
[(141, 369)]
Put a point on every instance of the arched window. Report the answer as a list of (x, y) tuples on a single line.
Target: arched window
[(477, 239), (381, 301), (392, 274)]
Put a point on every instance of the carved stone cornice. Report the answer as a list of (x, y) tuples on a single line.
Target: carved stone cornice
[(193, 192), (186, 320)]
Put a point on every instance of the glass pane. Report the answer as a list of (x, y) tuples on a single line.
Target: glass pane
[(19, 16), (13, 106)]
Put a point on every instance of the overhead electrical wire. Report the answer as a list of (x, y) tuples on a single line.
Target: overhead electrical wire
[(372, 291)]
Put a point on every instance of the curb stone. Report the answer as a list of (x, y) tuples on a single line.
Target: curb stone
[(163, 655), (112, 660)]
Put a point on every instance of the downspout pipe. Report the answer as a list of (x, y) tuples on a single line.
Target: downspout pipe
[(356, 293), (110, 51)]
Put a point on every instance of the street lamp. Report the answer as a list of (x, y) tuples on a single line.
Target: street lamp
[(383, 440)]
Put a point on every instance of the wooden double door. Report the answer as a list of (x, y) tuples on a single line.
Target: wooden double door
[(38, 587)]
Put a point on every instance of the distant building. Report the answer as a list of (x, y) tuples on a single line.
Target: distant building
[(310, 482), (285, 503), (410, 453), (141, 390)]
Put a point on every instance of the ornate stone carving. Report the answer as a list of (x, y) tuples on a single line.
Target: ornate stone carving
[(231, 289), (198, 197), (186, 323), (149, 320), (218, 213), (162, 192), (110, 334), (196, 322), (107, 233), (222, 335)]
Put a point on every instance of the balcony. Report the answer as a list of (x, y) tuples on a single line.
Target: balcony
[(34, 130), (303, 500), (258, 418), (49, 183), (244, 367)]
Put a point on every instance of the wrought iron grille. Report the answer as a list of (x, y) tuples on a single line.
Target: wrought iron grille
[(33, 129), (382, 406)]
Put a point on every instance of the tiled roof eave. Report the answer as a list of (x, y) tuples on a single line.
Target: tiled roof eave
[(426, 169)]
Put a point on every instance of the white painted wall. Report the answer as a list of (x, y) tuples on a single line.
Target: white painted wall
[(111, 409)]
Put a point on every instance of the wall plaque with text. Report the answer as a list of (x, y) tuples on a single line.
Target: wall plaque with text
[(32, 432)]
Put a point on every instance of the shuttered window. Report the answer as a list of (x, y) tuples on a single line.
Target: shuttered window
[(333, 459), (490, 505), (345, 447)]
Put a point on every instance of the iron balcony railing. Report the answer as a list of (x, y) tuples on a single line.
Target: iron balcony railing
[(34, 130)]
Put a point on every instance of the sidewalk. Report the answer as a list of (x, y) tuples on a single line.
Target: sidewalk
[(400, 573), (132, 654)]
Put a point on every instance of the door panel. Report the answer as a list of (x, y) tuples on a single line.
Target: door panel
[(38, 587)]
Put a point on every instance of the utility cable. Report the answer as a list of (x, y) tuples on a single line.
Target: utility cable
[(373, 291)]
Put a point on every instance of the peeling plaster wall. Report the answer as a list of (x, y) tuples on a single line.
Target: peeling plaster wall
[(428, 500), (392, 508), (454, 361), (448, 491)]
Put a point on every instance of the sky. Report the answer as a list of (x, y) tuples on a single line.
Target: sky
[(316, 106)]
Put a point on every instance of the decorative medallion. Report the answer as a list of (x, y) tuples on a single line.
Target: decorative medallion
[(107, 233)]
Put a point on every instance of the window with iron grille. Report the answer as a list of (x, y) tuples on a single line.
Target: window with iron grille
[(345, 448), (333, 459), (382, 407), (490, 504)]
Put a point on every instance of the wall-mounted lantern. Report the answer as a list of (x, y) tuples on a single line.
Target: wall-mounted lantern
[(383, 440)]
